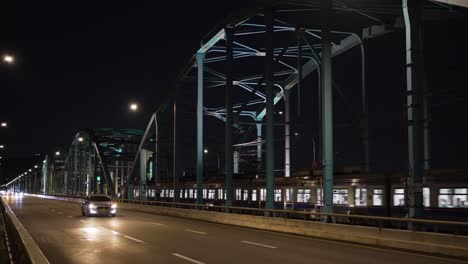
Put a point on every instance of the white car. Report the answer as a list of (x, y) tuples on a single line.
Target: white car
[(98, 205)]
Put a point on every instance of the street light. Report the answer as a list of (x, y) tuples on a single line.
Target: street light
[(35, 166), (57, 153), (205, 151), (8, 59), (2, 146), (4, 124), (80, 139), (134, 107)]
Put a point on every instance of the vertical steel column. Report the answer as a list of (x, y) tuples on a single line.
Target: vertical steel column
[(175, 169), (427, 119), (200, 60), (75, 168), (259, 146), (270, 139), (116, 180), (412, 13), (287, 137), (229, 78), (365, 114), (142, 180), (156, 154), (327, 103)]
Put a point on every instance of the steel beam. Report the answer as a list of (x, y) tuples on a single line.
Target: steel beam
[(200, 59), (270, 139), (229, 84), (327, 103), (412, 14)]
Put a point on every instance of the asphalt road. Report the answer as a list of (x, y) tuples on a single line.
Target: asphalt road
[(133, 237)]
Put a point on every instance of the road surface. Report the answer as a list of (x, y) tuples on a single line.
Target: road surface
[(133, 237)]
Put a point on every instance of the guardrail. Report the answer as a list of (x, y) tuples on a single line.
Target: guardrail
[(415, 224), (23, 248), (455, 227)]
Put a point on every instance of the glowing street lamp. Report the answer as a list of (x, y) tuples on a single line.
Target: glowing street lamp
[(8, 59), (2, 146), (205, 151), (35, 166), (57, 153), (4, 124), (80, 139), (134, 107)]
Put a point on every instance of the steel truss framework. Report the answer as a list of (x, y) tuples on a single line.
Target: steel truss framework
[(256, 59)]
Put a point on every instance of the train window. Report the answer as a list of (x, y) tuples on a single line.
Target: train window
[(220, 194), (190, 193), (238, 194), (263, 194), (399, 197), (205, 193), (426, 197), (181, 194), (360, 197), (289, 195), (162, 193), (186, 193), (246, 195), (457, 197), (319, 196), (277, 195), (377, 197), (211, 194), (195, 192), (254, 195), (303, 195), (171, 193), (340, 196)]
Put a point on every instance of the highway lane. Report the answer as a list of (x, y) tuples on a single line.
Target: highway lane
[(134, 237)]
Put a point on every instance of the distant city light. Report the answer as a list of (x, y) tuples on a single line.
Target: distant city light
[(280, 112)]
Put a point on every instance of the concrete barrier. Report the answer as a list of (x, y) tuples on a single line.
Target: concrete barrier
[(25, 249), (433, 243)]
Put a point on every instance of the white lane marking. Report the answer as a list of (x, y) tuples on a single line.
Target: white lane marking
[(156, 223), (53, 210), (110, 230), (69, 216), (258, 244), (83, 221), (59, 213), (196, 232), (134, 239), (187, 258)]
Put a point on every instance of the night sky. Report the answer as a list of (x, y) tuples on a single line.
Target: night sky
[(79, 65)]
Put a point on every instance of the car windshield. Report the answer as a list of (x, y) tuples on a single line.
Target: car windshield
[(99, 199)]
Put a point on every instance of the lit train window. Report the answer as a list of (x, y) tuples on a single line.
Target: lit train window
[(205, 193), (163, 193), (426, 197), (319, 196), (377, 197), (289, 195), (360, 197), (191, 193), (453, 197), (171, 193), (263, 194), (277, 195), (220, 194), (238, 194), (254, 195), (211, 193), (246, 195), (399, 197), (186, 193), (303, 195), (340, 196)]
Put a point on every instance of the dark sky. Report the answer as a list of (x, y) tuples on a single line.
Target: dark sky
[(79, 64)]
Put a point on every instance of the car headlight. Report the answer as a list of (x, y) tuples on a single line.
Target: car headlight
[(114, 206), (92, 206)]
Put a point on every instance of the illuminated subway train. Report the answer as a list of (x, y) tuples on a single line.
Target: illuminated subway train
[(445, 192)]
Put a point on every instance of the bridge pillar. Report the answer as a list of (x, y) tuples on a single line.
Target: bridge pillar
[(229, 78), (200, 60), (142, 181), (287, 137), (259, 147), (412, 13), (270, 139), (327, 103)]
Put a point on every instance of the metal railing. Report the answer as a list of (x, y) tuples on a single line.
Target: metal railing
[(23, 248), (454, 227)]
